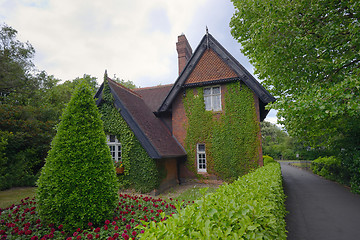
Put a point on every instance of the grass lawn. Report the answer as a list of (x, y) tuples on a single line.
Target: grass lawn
[(190, 194), (14, 195)]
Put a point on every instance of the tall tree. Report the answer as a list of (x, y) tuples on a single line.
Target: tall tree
[(78, 184), (16, 81), (308, 54)]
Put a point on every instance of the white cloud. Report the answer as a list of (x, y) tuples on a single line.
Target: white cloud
[(76, 37)]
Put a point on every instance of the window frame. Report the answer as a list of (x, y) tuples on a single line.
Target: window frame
[(201, 155), (213, 97), (116, 144)]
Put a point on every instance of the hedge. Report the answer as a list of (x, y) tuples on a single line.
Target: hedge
[(267, 160), (250, 208)]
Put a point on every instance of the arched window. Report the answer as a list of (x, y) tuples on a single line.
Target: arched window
[(115, 147)]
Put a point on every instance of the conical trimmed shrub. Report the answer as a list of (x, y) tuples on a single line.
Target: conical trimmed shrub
[(78, 182)]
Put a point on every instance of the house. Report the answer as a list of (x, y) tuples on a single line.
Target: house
[(205, 125)]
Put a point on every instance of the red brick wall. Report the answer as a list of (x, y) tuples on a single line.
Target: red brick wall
[(179, 119)]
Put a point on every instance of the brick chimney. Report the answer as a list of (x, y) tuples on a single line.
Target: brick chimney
[(184, 51)]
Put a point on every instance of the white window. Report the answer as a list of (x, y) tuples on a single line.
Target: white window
[(115, 147), (212, 98), (201, 158)]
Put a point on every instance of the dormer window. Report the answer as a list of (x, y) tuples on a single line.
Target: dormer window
[(212, 98), (115, 147)]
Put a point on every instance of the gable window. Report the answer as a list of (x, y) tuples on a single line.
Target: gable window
[(201, 158), (115, 147), (212, 98)]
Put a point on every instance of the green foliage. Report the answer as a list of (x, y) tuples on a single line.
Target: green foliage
[(231, 137), (250, 208), (276, 142), (328, 167), (129, 84), (16, 82), (345, 170), (268, 160), (307, 53), (78, 184), (351, 162), (140, 171), (28, 132)]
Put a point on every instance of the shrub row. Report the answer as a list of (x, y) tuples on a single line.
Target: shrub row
[(267, 160), (250, 208), (345, 171), (328, 167)]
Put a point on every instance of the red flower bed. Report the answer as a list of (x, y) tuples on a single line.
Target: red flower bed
[(22, 221)]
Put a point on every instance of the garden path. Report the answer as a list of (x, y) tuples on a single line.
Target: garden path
[(319, 208)]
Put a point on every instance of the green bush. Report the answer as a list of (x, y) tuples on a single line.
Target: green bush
[(328, 167), (351, 164), (78, 184), (250, 208), (267, 159)]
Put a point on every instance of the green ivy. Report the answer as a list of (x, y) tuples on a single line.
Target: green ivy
[(230, 136), (140, 171)]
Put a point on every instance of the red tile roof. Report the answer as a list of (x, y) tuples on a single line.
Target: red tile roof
[(154, 96), (152, 130), (209, 68)]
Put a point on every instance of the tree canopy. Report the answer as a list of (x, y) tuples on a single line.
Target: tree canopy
[(308, 54), (31, 102)]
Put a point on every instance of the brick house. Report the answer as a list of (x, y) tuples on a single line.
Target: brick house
[(160, 118)]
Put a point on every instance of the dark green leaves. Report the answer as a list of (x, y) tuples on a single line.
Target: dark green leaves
[(78, 177)]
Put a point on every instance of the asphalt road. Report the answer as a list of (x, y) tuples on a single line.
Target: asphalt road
[(319, 208)]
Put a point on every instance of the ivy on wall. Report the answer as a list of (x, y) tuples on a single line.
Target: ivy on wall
[(230, 136), (140, 171)]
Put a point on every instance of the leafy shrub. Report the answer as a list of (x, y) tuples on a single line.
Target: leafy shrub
[(268, 159), (328, 167), (78, 184), (250, 208), (351, 164)]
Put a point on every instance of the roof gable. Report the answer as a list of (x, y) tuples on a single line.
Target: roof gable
[(210, 67), (207, 43), (153, 135)]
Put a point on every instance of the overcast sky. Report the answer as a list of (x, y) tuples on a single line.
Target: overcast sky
[(133, 39)]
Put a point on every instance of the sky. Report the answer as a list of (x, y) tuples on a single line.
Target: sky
[(131, 39)]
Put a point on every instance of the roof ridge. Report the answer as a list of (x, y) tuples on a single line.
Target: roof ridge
[(127, 89), (158, 86)]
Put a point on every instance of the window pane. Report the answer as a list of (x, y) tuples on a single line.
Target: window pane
[(207, 101), (112, 138), (216, 90), (201, 148), (217, 102), (207, 91)]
